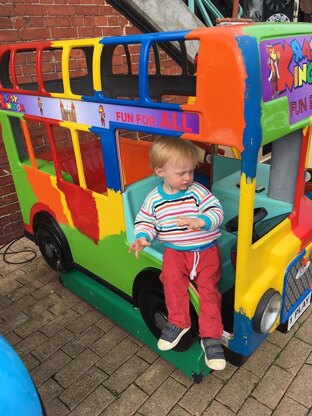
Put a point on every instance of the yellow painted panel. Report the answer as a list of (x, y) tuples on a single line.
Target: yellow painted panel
[(78, 157), (246, 205), (66, 46), (261, 265), (96, 67), (76, 126), (110, 211), (267, 261), (75, 43)]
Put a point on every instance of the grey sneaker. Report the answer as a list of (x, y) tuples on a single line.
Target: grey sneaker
[(170, 336), (214, 357)]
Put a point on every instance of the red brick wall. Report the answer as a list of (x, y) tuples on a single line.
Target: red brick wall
[(29, 20)]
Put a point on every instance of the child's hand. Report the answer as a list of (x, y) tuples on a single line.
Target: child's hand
[(191, 223), (138, 246)]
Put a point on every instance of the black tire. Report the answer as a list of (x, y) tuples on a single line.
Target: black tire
[(53, 247), (151, 302)]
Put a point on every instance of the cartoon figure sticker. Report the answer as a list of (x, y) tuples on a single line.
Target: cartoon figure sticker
[(286, 71), (40, 106), (273, 66), (102, 115)]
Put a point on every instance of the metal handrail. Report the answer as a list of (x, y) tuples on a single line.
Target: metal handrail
[(206, 5)]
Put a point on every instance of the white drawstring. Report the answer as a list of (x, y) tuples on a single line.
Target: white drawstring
[(193, 273)]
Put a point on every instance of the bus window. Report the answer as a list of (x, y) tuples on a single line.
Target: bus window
[(134, 149), (39, 140), (264, 154), (39, 150), (153, 61), (6, 70), (19, 139), (226, 172), (80, 71), (164, 71), (65, 153), (119, 75), (121, 63), (52, 70), (226, 161), (25, 69), (92, 161), (276, 183)]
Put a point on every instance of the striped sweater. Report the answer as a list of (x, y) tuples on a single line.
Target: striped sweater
[(159, 212)]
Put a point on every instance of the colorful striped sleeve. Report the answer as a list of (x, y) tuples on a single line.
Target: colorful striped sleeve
[(144, 224), (210, 209)]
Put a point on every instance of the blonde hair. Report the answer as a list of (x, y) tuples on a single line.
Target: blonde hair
[(168, 148)]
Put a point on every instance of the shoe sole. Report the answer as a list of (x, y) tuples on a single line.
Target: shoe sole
[(217, 364), (166, 345)]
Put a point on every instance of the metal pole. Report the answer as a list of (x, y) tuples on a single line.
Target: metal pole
[(235, 9)]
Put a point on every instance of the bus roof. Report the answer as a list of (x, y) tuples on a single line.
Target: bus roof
[(253, 84)]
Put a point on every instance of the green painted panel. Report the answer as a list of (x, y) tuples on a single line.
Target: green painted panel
[(275, 120), (109, 258), (26, 197), (276, 30)]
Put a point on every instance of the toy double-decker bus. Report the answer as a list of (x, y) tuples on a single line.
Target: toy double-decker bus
[(78, 118)]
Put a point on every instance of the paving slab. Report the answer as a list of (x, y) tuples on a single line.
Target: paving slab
[(290, 407), (254, 408), (301, 387), (164, 398), (237, 389), (266, 393)]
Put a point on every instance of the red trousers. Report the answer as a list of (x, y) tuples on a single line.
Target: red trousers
[(175, 276)]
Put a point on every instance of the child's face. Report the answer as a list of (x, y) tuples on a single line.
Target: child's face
[(177, 175)]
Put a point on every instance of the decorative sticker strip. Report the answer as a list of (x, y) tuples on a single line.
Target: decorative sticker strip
[(286, 69), (100, 115)]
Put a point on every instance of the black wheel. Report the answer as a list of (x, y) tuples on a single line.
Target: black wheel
[(53, 247), (151, 302)]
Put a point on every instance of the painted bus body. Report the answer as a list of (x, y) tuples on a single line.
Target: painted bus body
[(236, 105)]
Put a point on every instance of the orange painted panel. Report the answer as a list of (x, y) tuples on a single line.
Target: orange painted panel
[(219, 100), (42, 187), (135, 159)]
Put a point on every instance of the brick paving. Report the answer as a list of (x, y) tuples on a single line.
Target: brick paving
[(83, 364)]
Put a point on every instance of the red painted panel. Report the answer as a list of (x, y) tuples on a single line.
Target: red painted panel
[(83, 209)]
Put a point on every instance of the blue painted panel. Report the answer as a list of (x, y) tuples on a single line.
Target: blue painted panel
[(252, 111), (246, 339), (110, 157), (18, 396), (154, 37), (295, 289), (98, 97), (144, 129)]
